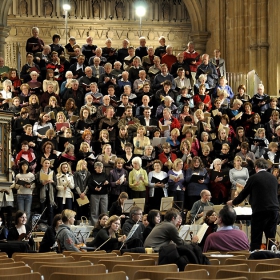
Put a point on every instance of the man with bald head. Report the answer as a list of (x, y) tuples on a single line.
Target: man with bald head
[(197, 210), (42, 59), (85, 81), (206, 67), (88, 49)]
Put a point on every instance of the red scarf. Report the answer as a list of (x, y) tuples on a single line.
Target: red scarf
[(28, 153)]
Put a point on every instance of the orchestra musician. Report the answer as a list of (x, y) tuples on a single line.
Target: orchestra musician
[(21, 231)]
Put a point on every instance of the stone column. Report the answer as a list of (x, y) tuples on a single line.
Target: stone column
[(200, 39), (4, 33)]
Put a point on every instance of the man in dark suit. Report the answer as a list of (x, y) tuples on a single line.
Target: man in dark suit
[(85, 81), (78, 68), (42, 59), (262, 188), (147, 121)]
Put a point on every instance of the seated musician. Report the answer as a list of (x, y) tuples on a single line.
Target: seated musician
[(110, 234), (65, 237), (21, 231)]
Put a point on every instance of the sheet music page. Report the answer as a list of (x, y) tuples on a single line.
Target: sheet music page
[(202, 231)]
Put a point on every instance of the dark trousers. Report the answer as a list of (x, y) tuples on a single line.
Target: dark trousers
[(266, 222), (68, 204), (138, 194)]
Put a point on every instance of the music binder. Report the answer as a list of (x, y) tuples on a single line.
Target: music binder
[(166, 203)]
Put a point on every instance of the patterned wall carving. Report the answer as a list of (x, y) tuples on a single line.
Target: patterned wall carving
[(100, 19)]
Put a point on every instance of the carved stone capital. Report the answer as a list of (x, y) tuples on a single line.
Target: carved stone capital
[(200, 40)]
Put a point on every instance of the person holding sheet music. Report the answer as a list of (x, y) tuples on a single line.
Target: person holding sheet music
[(46, 182), (270, 126), (255, 124), (234, 113), (148, 158), (34, 108), (128, 157), (107, 158), (222, 139), (260, 143), (40, 127), (138, 179), (176, 181), (85, 153), (197, 179), (140, 141), (272, 155), (229, 129), (158, 185), (61, 123), (98, 185), (118, 179), (238, 139), (260, 100), (28, 136), (167, 157), (108, 238), (26, 154), (238, 177), (219, 183), (52, 109), (25, 184), (64, 186), (84, 122), (81, 178)]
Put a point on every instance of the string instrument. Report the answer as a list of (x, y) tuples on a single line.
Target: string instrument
[(26, 236), (79, 246)]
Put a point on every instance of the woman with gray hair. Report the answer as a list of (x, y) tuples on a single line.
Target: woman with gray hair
[(98, 185), (138, 179), (66, 84), (168, 102), (219, 183)]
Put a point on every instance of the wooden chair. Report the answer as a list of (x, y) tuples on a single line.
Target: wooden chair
[(250, 275), (36, 265), (77, 256), (95, 259), (252, 263), (266, 266), (134, 256), (214, 262), (18, 256), (213, 269), (118, 252), (222, 259), (47, 270), (3, 254), (111, 263), (130, 270), (71, 253), (7, 260), (234, 278), (102, 276), (159, 275), (30, 261), (153, 256), (270, 278), (242, 252), (15, 270), (12, 264), (24, 276)]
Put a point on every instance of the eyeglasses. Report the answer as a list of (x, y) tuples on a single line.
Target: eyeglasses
[(138, 214)]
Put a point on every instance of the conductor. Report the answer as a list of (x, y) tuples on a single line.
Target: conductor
[(262, 188)]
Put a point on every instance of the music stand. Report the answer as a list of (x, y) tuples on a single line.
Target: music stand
[(184, 231), (140, 202), (82, 232), (178, 205), (127, 205), (166, 203)]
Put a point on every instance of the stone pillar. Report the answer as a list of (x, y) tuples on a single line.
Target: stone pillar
[(4, 33), (200, 40)]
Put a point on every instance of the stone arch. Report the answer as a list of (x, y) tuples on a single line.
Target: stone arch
[(196, 9), (4, 8)]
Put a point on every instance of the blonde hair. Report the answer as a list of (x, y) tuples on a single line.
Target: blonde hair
[(60, 113), (103, 131), (84, 144), (59, 169), (79, 164), (176, 162)]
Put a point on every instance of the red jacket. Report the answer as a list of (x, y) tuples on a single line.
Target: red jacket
[(163, 158), (174, 123), (206, 101)]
